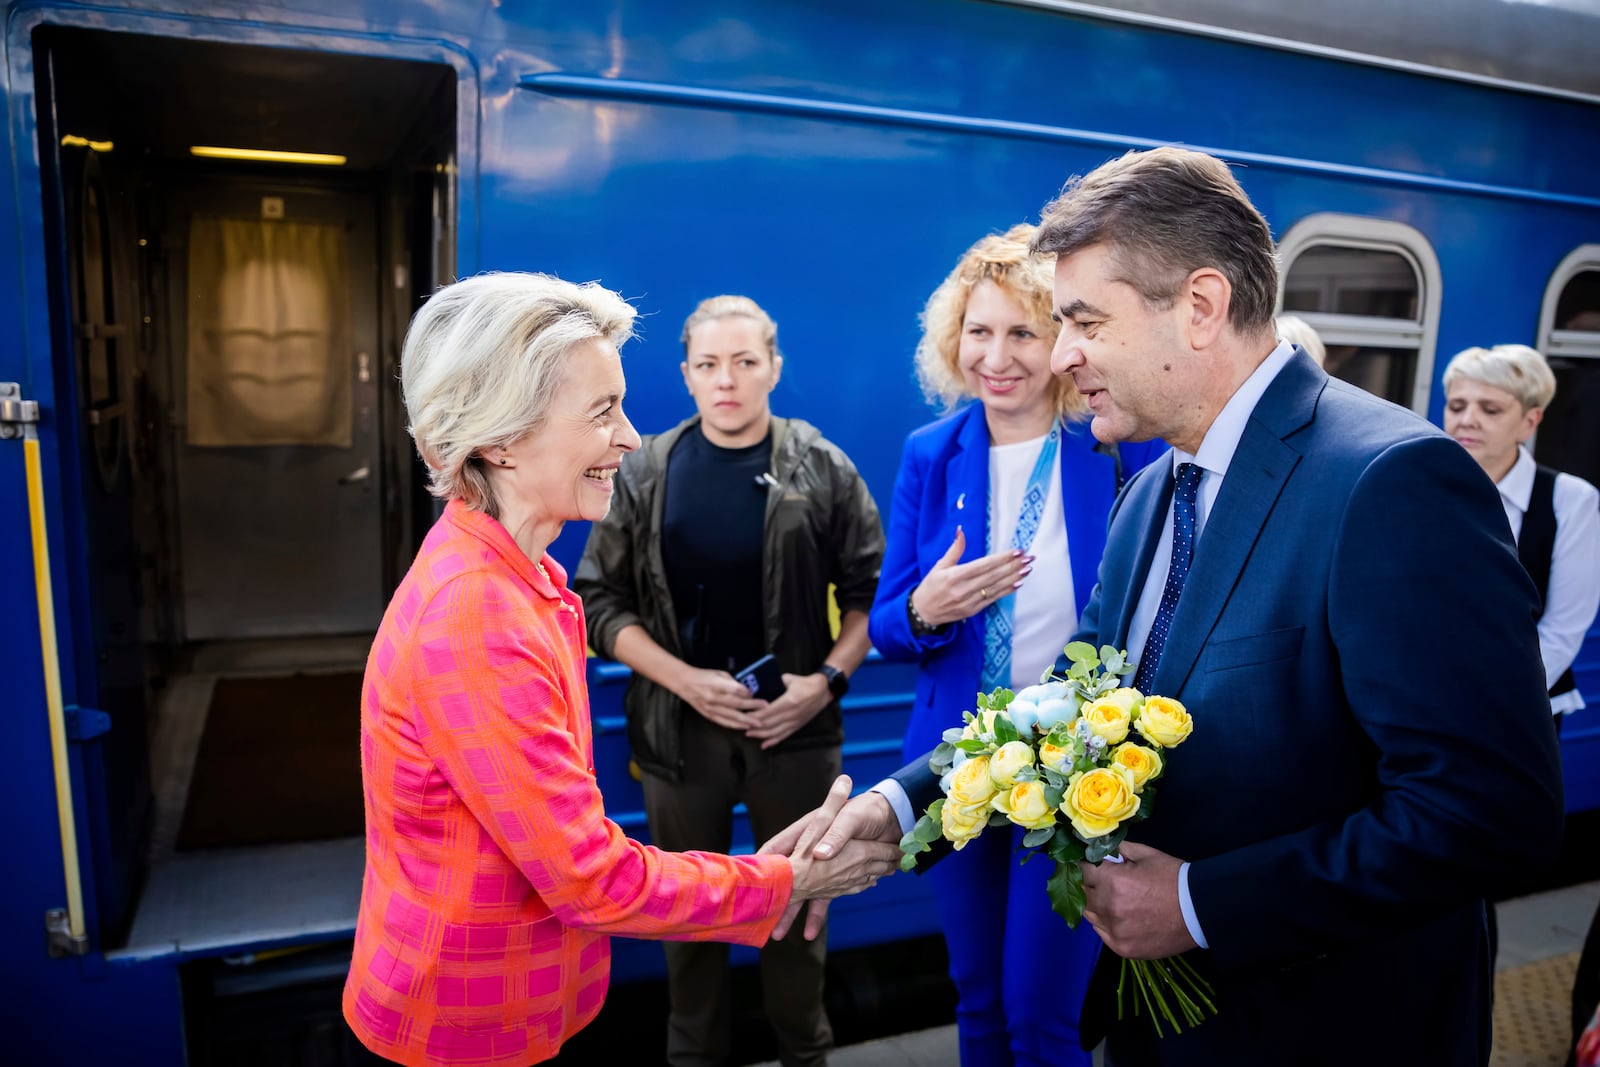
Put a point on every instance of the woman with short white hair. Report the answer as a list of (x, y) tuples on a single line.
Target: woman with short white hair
[(1494, 400), (493, 877)]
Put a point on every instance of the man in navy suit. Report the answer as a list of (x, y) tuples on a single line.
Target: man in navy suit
[(1329, 585)]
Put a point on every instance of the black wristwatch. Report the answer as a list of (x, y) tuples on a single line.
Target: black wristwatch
[(838, 681)]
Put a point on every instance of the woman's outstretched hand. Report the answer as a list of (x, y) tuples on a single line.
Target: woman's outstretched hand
[(861, 847)]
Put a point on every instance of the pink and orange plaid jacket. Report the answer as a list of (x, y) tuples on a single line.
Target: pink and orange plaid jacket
[(493, 876)]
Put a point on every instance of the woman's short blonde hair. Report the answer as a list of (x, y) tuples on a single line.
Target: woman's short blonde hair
[(727, 306), (1518, 369), (1029, 279), (481, 361)]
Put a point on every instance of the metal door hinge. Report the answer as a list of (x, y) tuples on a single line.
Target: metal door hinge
[(15, 412), (58, 928)]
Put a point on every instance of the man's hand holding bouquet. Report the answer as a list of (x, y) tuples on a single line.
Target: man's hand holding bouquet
[(1074, 762)]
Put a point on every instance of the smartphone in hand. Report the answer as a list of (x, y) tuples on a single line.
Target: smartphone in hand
[(764, 678)]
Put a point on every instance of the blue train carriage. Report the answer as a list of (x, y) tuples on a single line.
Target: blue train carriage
[(224, 214)]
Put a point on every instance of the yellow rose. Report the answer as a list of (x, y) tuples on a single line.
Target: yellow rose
[(1126, 698), (961, 823), (982, 724), (1097, 801), (1143, 763), (1005, 764), (1109, 717), (1164, 722), (971, 786), (1025, 805), (1057, 757)]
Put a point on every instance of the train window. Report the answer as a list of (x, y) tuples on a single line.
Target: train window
[(1370, 288), (1569, 336)]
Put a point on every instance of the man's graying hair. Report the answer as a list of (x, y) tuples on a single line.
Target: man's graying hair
[(1163, 214)]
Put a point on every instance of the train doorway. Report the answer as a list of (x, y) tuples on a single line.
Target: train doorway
[(237, 237)]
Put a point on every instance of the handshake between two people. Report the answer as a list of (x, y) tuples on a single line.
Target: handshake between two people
[(843, 847)]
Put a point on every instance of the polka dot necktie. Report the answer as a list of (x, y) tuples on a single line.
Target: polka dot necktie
[(1183, 524)]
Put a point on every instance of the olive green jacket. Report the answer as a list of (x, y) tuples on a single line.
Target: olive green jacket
[(822, 527)]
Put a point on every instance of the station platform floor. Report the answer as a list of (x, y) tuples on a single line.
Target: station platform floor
[(1540, 938)]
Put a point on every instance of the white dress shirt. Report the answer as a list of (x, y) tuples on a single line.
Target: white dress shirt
[(1574, 568)]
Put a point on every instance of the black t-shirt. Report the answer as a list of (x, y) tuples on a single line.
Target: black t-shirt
[(712, 530)]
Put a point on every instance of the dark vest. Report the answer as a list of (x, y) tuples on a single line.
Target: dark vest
[(1537, 543)]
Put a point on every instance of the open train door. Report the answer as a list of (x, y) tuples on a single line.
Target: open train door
[(210, 477)]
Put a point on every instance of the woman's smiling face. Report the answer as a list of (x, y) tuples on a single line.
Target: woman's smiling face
[(564, 468), (1004, 355)]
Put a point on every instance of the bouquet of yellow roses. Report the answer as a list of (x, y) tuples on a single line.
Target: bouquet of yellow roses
[(1060, 760)]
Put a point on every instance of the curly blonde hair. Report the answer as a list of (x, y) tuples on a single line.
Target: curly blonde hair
[(1028, 279)]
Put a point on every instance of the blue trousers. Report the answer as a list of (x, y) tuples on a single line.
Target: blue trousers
[(1020, 972)]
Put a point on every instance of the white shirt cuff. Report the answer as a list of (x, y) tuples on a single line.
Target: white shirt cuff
[(1187, 905), (895, 794)]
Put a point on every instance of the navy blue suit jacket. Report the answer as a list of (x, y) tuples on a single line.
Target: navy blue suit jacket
[(944, 483), (1372, 752)]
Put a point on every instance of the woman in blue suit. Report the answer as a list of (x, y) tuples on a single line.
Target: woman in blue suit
[(998, 524)]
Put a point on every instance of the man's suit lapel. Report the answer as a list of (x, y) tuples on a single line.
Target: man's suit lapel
[(1260, 468)]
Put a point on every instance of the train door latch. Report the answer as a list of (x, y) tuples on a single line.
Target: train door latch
[(16, 414)]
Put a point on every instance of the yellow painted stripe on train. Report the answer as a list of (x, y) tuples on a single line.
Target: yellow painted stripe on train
[(52, 687)]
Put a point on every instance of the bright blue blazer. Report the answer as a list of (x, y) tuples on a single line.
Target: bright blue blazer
[(944, 483)]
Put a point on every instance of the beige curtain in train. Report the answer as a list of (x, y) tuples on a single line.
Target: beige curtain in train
[(269, 329)]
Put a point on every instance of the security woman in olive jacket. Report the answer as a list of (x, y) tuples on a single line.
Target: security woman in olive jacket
[(724, 535)]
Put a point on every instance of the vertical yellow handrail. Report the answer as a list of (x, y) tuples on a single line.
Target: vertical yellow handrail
[(52, 686)]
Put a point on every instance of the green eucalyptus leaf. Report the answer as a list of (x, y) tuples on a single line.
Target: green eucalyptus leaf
[(1101, 847), (1081, 652), (1035, 838)]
